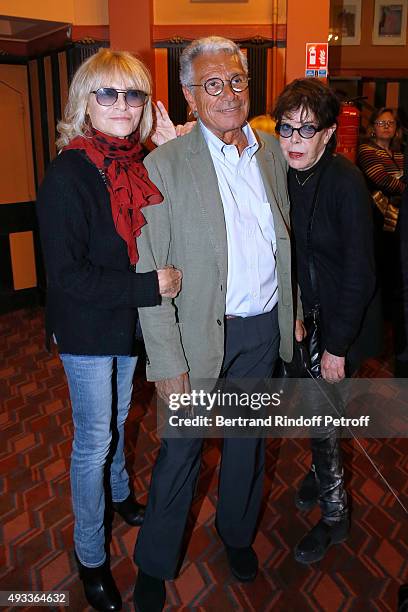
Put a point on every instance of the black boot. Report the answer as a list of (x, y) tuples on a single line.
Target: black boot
[(307, 495), (130, 510), (149, 594), (100, 589), (333, 528), (314, 545), (326, 454), (403, 598)]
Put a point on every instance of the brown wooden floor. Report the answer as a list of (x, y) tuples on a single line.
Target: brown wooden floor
[(36, 518)]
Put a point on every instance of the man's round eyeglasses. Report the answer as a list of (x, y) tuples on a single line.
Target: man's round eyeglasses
[(107, 96), (215, 86), (386, 123), (307, 130)]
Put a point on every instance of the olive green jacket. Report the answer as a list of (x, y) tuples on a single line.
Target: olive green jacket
[(188, 230)]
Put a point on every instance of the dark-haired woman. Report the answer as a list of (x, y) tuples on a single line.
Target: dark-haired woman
[(332, 229)]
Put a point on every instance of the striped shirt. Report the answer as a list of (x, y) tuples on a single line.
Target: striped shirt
[(382, 170)]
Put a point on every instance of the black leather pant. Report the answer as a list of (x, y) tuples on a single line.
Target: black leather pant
[(326, 453)]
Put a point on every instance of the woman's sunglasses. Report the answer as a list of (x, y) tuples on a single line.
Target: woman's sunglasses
[(107, 96), (307, 130)]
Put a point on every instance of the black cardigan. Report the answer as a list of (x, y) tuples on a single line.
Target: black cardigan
[(342, 241), (92, 295)]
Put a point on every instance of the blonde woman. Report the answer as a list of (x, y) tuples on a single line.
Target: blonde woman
[(90, 214)]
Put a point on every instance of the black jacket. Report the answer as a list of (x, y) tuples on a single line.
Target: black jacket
[(342, 244), (92, 295)]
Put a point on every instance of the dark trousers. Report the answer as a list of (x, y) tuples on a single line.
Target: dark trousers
[(251, 350)]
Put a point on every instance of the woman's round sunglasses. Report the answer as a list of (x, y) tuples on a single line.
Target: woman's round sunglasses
[(107, 96), (308, 130)]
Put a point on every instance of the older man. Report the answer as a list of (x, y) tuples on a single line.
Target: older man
[(224, 223)]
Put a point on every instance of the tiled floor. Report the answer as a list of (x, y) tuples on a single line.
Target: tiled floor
[(36, 518)]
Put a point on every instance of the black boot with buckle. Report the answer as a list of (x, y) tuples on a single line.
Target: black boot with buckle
[(334, 525)]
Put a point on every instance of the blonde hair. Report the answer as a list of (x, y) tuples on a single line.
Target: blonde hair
[(265, 123), (98, 71)]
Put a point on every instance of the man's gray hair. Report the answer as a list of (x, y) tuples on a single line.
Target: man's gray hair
[(209, 44)]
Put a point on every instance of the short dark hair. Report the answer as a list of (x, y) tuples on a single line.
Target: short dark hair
[(313, 96)]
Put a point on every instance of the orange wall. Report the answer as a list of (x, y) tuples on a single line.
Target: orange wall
[(187, 12), (306, 22), (131, 25), (368, 57), (79, 12), (161, 81), (91, 12), (17, 176)]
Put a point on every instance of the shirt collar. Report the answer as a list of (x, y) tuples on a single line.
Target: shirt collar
[(216, 145)]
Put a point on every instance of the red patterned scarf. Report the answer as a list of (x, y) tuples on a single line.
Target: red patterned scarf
[(130, 189)]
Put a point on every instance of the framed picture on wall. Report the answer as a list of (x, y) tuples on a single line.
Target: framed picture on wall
[(345, 21), (390, 22)]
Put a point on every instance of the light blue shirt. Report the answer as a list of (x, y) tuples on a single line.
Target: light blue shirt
[(252, 286)]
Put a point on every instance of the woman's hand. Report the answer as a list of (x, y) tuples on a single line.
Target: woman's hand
[(181, 130), (332, 367), (169, 281), (164, 129)]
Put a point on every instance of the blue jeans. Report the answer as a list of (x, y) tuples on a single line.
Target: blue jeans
[(100, 388)]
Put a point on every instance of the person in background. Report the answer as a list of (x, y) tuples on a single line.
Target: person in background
[(381, 161), (382, 164), (380, 158), (332, 237), (225, 223), (401, 362), (265, 123), (401, 366), (90, 215)]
